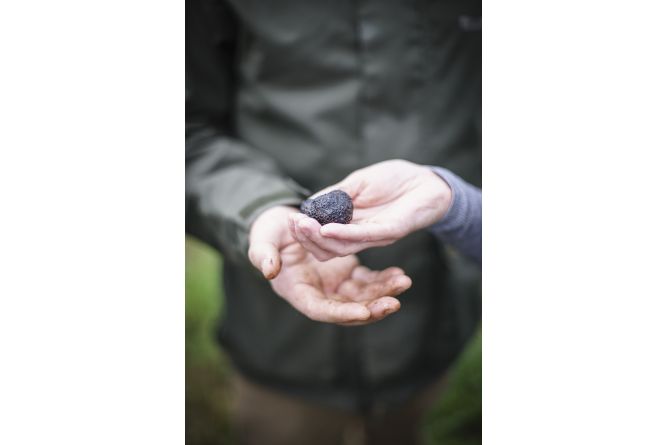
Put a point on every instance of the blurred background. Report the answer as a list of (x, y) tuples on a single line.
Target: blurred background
[(455, 418)]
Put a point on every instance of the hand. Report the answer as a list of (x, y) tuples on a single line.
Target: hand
[(391, 199), (336, 291)]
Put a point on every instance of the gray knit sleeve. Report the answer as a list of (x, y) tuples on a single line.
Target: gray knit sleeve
[(461, 226)]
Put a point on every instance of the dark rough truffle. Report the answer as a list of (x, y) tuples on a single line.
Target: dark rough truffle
[(333, 207)]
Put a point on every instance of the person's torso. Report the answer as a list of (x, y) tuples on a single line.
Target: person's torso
[(326, 88)]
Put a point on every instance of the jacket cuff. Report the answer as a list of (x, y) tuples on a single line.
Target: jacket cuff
[(456, 214)]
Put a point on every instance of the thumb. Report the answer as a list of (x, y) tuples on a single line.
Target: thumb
[(265, 258)]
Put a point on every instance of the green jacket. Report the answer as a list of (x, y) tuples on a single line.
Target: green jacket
[(286, 97)]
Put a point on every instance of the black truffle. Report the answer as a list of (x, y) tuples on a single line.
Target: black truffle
[(333, 207)]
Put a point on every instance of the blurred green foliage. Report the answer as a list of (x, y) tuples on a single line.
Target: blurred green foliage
[(455, 419), (206, 369)]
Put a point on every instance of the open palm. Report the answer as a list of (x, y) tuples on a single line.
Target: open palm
[(336, 291), (391, 199)]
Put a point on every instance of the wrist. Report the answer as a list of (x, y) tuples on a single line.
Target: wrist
[(443, 192)]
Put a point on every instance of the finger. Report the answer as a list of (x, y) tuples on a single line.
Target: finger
[(396, 285), (339, 247), (365, 274), (379, 309), (291, 225), (351, 290), (311, 302), (391, 286), (319, 253), (264, 256), (367, 285), (310, 228), (382, 307), (357, 290), (363, 232)]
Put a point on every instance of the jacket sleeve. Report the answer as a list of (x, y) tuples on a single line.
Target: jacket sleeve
[(228, 182), (461, 226)]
